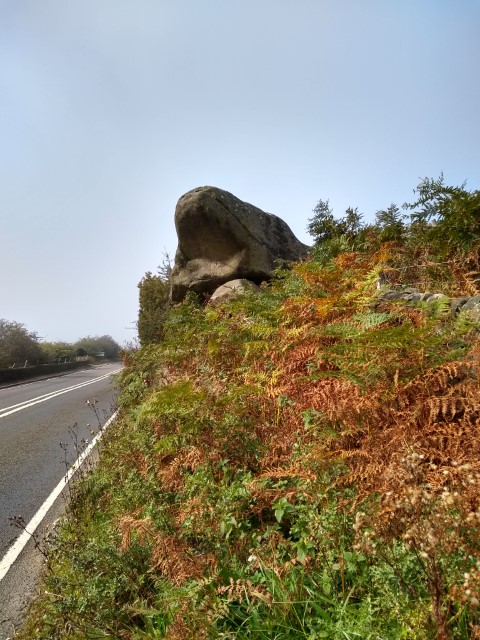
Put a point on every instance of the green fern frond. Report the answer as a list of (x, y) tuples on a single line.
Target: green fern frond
[(343, 330), (372, 319), (359, 323), (256, 347)]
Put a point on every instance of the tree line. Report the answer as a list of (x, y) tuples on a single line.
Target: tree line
[(442, 223), (21, 347)]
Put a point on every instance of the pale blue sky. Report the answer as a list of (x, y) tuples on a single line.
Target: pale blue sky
[(111, 109)]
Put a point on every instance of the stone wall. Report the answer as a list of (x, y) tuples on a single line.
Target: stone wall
[(23, 373), (410, 294)]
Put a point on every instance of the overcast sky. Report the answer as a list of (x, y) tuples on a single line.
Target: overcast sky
[(110, 110)]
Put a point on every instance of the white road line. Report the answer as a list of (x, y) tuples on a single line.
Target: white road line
[(15, 550), (29, 383), (51, 393), (7, 411)]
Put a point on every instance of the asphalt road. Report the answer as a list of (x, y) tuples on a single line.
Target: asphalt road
[(44, 426)]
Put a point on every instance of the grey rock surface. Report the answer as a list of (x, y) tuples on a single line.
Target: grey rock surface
[(436, 296), (222, 238), (471, 303), (475, 312), (456, 304)]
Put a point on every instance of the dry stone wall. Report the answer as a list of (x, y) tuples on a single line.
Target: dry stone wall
[(409, 294)]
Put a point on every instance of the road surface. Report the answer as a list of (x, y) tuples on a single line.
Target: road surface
[(44, 425)]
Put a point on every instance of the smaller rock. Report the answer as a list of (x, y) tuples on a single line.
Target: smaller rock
[(456, 304), (412, 297), (471, 303), (436, 296), (392, 295), (232, 289), (475, 312)]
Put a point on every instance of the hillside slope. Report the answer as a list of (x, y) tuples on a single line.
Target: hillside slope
[(300, 463)]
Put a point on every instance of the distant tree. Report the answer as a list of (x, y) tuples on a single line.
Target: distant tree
[(447, 217), (154, 294), (351, 224), (165, 268), (52, 351), (94, 345), (434, 239), (154, 302), (322, 226), (17, 344), (333, 236), (390, 225)]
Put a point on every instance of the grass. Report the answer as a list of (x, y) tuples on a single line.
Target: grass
[(296, 464)]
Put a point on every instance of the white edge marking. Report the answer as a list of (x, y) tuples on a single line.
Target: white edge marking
[(53, 377), (17, 547), (14, 408)]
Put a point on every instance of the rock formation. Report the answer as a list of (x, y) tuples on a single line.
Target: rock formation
[(222, 238)]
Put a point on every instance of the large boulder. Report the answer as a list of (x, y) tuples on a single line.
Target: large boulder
[(222, 238)]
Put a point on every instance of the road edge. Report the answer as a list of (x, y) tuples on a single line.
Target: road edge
[(17, 547)]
